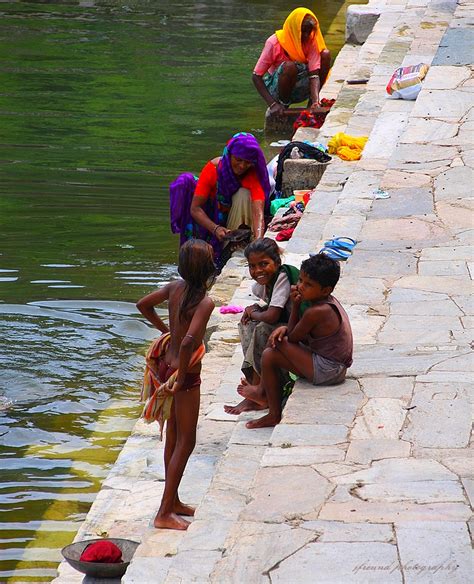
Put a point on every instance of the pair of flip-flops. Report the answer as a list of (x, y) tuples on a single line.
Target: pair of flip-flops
[(339, 248)]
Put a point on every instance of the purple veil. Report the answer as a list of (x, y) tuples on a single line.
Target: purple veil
[(243, 145)]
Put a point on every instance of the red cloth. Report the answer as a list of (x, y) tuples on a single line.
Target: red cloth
[(308, 120), (103, 552), (207, 183), (285, 235)]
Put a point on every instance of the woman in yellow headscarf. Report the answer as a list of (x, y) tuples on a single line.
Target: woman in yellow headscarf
[(294, 63)]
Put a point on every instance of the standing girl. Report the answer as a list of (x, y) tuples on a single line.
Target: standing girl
[(272, 285), (172, 381)]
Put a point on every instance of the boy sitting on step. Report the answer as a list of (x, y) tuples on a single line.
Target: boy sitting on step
[(316, 344)]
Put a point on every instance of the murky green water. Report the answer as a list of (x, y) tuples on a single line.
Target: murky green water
[(101, 105)]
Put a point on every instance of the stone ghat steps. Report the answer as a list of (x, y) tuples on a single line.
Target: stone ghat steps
[(352, 477)]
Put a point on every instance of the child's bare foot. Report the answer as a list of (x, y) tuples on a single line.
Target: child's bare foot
[(253, 393), (182, 509), (263, 422), (246, 405), (170, 521)]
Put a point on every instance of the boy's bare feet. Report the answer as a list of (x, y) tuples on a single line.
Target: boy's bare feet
[(253, 393), (263, 422), (246, 405), (170, 521), (182, 509)]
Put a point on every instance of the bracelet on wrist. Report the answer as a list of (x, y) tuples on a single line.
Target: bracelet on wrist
[(215, 229)]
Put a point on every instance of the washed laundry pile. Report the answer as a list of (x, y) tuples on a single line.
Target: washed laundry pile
[(306, 119), (347, 147), (339, 248), (285, 224)]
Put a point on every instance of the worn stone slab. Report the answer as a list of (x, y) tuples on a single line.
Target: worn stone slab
[(366, 291), (221, 503), (452, 184), (362, 563), (309, 435), (146, 570), (421, 492), (393, 360), (258, 437), (441, 418), (463, 362), (395, 179), (385, 135), (445, 105), (336, 469), (399, 469), (349, 532), (156, 543), (421, 130), (376, 512), (434, 551), (366, 321), (391, 387), (254, 549), (442, 284), (457, 215), (455, 48), (193, 565), (444, 307), (271, 503), (402, 231), (458, 252), (366, 451), (404, 203), (419, 330), (383, 264), (301, 455), (446, 77), (443, 268), (380, 418)]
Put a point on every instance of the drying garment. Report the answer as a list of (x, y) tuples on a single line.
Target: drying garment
[(347, 147), (307, 150), (281, 223), (289, 36), (306, 119), (285, 235), (155, 390)]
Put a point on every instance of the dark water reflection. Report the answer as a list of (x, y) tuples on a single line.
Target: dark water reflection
[(102, 104)]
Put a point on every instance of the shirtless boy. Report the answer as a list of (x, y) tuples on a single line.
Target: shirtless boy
[(316, 344)]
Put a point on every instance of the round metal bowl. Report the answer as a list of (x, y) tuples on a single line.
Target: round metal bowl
[(73, 551)]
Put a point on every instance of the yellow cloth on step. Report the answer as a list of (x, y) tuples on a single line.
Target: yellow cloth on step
[(347, 147)]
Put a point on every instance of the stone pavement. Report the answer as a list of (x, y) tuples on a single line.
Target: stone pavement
[(372, 480)]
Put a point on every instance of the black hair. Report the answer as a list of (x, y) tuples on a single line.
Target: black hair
[(264, 245), (322, 269), (196, 267)]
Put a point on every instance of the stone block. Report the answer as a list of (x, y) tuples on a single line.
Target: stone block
[(301, 455), (380, 418), (271, 503), (309, 434), (366, 451), (434, 551), (301, 174), (357, 563), (333, 531), (391, 387), (360, 21)]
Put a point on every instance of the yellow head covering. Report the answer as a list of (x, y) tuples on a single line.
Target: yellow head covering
[(290, 36)]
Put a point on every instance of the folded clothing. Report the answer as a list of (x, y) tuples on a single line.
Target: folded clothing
[(285, 235), (347, 147), (104, 552)]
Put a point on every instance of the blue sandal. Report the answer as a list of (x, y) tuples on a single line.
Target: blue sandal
[(339, 255), (341, 243)]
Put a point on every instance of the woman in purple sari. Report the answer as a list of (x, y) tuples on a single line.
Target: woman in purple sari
[(232, 190)]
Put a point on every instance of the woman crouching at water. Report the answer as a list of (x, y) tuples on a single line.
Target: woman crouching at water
[(172, 376), (232, 190)]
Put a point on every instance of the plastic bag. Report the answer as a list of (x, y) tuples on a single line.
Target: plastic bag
[(405, 83)]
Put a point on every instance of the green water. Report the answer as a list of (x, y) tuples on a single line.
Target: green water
[(102, 104)]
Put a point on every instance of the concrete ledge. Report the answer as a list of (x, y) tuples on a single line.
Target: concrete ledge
[(301, 174)]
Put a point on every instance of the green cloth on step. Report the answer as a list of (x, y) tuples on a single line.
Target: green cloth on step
[(277, 203)]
